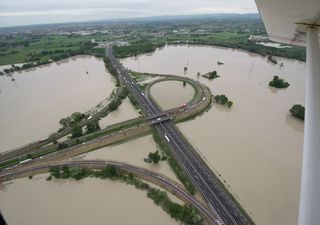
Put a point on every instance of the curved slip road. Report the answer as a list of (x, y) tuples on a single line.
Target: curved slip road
[(156, 178), (218, 199)]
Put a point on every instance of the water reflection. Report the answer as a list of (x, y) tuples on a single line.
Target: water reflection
[(294, 123), (273, 89), (221, 108)]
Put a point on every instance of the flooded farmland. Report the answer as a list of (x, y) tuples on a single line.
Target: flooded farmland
[(38, 98), (126, 111), (133, 152), (256, 146), (88, 201), (163, 93), (37, 201)]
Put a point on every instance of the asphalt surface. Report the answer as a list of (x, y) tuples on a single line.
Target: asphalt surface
[(156, 178), (221, 204)]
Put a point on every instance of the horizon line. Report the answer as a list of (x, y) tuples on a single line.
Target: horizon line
[(128, 19)]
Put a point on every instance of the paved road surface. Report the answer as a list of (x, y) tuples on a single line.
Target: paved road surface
[(220, 202), (151, 176)]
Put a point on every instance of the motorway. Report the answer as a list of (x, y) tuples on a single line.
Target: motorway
[(195, 106), (156, 178), (220, 202)]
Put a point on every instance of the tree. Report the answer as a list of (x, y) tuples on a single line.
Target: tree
[(109, 171), (278, 82), (62, 146), (55, 171), (65, 172), (64, 122), (154, 157), (223, 100), (78, 173), (211, 75), (76, 131), (229, 104), (77, 117), (92, 127), (297, 111)]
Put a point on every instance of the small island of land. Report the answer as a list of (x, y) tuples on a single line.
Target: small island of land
[(223, 100), (220, 63), (278, 83), (155, 157), (211, 75)]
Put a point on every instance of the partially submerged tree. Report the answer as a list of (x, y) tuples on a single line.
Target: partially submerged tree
[(297, 111)]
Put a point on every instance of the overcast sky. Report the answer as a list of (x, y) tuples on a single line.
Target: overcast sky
[(23, 12)]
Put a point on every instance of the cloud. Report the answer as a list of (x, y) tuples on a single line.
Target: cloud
[(207, 10), (66, 12), (21, 12)]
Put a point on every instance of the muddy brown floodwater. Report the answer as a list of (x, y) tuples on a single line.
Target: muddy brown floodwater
[(32, 104), (133, 152), (88, 201), (256, 146), (163, 93), (125, 111)]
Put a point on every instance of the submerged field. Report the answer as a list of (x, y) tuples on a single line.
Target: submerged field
[(255, 146), (33, 103)]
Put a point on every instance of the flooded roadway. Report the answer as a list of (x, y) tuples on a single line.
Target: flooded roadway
[(38, 98), (37, 201), (256, 146), (88, 201)]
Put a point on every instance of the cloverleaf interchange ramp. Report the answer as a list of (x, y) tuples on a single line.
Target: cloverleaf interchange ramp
[(219, 201), (222, 206), (109, 135), (151, 176)]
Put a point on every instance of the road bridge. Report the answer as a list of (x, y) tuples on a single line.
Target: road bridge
[(159, 120), (157, 115), (156, 178), (215, 194)]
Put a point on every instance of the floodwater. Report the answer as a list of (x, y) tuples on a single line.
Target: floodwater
[(162, 92), (133, 152), (88, 201), (256, 146), (125, 111), (32, 105)]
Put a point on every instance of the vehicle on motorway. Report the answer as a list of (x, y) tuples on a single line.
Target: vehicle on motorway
[(166, 137), (24, 161)]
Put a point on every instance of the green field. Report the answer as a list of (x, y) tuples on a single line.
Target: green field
[(143, 37), (42, 48)]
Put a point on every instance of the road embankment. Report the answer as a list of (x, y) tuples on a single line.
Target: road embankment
[(148, 175)]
